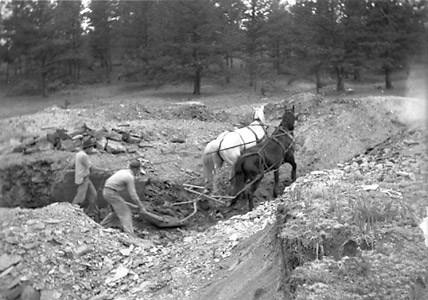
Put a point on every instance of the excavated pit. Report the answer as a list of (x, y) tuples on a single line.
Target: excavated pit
[(39, 183)]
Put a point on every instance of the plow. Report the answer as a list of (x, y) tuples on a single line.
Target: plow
[(166, 221), (270, 154)]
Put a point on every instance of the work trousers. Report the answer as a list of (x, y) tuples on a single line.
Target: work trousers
[(86, 188), (120, 211)]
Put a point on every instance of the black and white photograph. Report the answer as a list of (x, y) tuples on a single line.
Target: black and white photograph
[(213, 150)]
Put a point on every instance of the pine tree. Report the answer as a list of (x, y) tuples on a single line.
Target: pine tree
[(185, 41), (132, 32), (102, 16), (393, 29), (232, 37), (33, 36), (254, 22), (277, 34), (68, 20)]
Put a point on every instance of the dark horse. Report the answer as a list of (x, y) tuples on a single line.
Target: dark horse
[(267, 156)]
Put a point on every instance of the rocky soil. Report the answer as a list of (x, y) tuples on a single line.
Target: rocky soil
[(346, 229)]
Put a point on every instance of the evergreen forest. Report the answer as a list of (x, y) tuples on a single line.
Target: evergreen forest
[(46, 45)]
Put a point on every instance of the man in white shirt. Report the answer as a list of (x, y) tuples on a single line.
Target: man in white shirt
[(81, 177), (122, 179)]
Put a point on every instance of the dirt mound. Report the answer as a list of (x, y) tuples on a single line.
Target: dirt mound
[(75, 258), (354, 222), (348, 233)]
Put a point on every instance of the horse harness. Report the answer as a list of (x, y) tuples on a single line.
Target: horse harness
[(243, 141), (263, 159), (274, 138), (289, 134)]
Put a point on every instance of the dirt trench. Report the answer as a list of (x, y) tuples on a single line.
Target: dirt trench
[(325, 242), (261, 266), (328, 131)]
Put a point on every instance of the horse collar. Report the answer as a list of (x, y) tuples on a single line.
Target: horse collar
[(289, 133), (255, 134), (262, 124)]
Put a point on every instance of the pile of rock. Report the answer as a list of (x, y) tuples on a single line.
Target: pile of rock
[(75, 258), (111, 141)]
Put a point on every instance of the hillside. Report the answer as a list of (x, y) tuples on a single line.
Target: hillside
[(346, 229)]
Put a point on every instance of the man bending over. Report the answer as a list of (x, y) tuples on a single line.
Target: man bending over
[(122, 179)]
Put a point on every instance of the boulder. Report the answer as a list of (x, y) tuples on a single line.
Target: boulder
[(45, 145), (115, 147), (77, 142), (68, 145), (62, 134), (78, 137), (101, 143), (112, 135), (52, 138), (100, 133)]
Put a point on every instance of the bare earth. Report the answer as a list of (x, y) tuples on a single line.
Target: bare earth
[(63, 254)]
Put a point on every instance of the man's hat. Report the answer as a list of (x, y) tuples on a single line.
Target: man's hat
[(135, 164)]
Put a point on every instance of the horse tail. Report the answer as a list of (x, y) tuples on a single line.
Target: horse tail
[(211, 158)]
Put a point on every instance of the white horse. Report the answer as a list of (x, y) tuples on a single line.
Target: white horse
[(229, 145)]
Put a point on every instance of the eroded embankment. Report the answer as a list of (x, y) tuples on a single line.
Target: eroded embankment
[(349, 233)]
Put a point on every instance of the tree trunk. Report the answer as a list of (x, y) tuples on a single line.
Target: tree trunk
[(251, 83), (197, 80), (276, 61), (44, 84), (44, 75), (340, 84), (318, 79), (227, 76), (388, 81), (251, 72), (75, 68), (27, 66), (357, 73), (7, 72), (227, 67)]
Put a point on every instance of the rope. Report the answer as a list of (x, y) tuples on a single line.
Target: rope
[(267, 169)]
